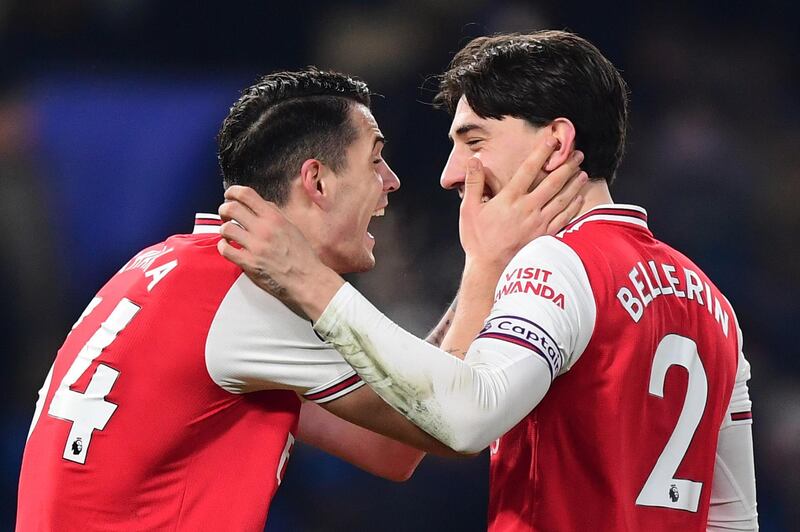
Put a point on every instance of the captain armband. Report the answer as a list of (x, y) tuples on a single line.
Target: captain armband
[(527, 334)]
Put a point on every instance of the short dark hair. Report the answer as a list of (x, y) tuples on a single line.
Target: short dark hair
[(539, 77), (284, 119)]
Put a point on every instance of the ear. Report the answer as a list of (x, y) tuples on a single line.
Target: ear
[(564, 130), (314, 183)]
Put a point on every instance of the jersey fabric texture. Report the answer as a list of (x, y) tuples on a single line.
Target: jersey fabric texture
[(643, 350), (172, 403)]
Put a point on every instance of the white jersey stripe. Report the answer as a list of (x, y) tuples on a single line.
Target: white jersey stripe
[(341, 393)]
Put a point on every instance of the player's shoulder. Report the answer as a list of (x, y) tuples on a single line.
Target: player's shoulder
[(550, 250), (545, 267), (199, 251), (246, 307), (199, 248), (183, 266)]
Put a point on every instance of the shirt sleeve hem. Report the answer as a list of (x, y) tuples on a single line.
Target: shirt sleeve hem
[(335, 389)]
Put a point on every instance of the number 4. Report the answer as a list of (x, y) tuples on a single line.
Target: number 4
[(661, 489), (88, 411)]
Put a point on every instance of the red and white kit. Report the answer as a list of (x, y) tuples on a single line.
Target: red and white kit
[(647, 351), (612, 370), (172, 403)]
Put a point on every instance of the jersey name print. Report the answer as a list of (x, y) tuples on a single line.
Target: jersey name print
[(626, 436), (159, 413), (648, 283)]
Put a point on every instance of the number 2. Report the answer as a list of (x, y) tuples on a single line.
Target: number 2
[(88, 411), (661, 489)]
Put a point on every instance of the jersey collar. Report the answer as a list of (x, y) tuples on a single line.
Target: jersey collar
[(206, 223), (615, 212)]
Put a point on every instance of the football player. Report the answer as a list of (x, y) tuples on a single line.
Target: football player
[(175, 399)]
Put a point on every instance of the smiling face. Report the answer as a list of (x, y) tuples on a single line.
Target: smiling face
[(501, 145), (359, 191)]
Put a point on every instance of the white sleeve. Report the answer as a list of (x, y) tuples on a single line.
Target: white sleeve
[(544, 302), (733, 490), (256, 343), (464, 404)]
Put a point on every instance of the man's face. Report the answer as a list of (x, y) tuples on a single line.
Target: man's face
[(501, 145), (361, 190)]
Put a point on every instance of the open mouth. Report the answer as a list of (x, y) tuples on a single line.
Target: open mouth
[(377, 213)]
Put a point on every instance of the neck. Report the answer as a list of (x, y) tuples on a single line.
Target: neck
[(310, 223), (595, 193)]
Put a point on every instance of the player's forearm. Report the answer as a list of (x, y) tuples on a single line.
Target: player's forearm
[(327, 428), (476, 297), (465, 405), (438, 333), (365, 409), (733, 492), (384, 457)]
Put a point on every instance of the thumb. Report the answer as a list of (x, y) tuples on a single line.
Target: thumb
[(473, 183)]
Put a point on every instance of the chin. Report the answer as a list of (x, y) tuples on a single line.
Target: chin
[(365, 264), (357, 263)]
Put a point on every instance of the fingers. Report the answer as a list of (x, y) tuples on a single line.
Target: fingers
[(557, 180), (235, 233), (565, 216), (565, 196), (247, 197), (530, 168), (233, 254), (473, 182), (245, 206), (234, 210)]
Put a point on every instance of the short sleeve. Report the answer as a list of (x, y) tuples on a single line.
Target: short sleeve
[(543, 303), (256, 343)]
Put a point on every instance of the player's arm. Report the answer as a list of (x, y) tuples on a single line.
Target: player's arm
[(255, 343), (438, 333), (363, 448), (326, 427), (733, 491), (365, 409), (528, 341), (373, 452)]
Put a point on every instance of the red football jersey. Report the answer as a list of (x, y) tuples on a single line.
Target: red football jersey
[(172, 403), (626, 437)]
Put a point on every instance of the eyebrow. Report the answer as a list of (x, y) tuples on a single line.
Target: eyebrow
[(466, 128), (378, 138)]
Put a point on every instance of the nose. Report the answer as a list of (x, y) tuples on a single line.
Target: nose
[(390, 180), (453, 174)]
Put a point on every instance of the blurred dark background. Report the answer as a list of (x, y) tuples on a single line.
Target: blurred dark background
[(108, 111)]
